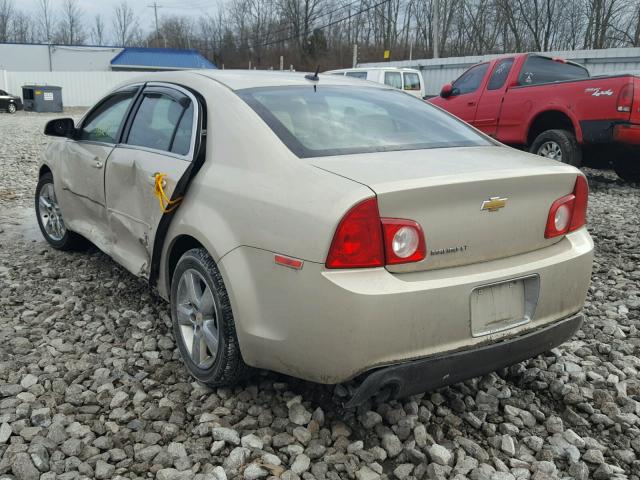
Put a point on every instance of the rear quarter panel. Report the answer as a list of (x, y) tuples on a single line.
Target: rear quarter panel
[(583, 100), (252, 191)]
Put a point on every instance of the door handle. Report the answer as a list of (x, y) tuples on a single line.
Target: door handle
[(471, 104), (97, 164)]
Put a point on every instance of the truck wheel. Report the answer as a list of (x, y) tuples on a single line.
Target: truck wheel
[(11, 108), (558, 145), (628, 169), (203, 324)]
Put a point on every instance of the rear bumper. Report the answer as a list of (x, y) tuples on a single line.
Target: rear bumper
[(330, 326), (427, 374), (627, 133)]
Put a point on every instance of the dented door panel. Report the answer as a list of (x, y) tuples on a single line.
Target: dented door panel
[(80, 190), (133, 209)]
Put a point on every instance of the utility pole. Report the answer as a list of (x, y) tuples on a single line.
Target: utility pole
[(436, 28), (155, 7), (355, 55)]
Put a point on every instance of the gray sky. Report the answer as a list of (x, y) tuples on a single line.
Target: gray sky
[(91, 8)]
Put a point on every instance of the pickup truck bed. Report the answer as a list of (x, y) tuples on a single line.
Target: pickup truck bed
[(553, 108)]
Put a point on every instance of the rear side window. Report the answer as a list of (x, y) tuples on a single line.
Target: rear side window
[(161, 123), (362, 75), (539, 69), (393, 79), (3, 93), (500, 74), (411, 81), (470, 80), (103, 123), (348, 120), (182, 139)]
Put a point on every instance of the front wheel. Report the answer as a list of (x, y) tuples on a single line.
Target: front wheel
[(50, 219), (11, 108), (203, 323), (560, 145)]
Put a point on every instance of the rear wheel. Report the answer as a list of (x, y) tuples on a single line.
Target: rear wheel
[(560, 145), (11, 108), (50, 218), (203, 323)]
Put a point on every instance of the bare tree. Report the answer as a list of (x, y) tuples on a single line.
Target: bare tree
[(98, 31), (46, 19), (22, 29), (6, 14), (125, 24), (70, 28)]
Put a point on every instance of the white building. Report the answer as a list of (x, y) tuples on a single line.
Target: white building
[(85, 73)]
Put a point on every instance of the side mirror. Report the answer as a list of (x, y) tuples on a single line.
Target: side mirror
[(446, 91), (60, 127)]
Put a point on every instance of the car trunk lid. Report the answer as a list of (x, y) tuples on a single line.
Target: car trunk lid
[(474, 204)]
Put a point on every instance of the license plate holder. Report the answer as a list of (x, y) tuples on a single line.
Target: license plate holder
[(503, 305)]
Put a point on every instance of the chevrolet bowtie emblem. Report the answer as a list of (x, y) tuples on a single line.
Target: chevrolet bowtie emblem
[(494, 204)]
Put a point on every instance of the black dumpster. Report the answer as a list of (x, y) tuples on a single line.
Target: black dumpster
[(42, 98)]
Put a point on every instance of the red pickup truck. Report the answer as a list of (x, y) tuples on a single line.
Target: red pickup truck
[(552, 107)]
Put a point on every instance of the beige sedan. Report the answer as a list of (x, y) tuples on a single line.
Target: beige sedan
[(322, 227)]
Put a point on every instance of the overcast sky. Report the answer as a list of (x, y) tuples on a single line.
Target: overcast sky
[(91, 8)]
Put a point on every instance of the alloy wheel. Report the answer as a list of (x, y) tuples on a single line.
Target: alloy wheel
[(551, 150), (197, 314), (50, 214), (12, 108)]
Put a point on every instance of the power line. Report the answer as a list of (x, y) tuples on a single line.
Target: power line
[(326, 25), (288, 27)]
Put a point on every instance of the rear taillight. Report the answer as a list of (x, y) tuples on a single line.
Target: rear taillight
[(625, 98), (568, 213), (403, 241), (357, 242), (581, 192), (363, 239)]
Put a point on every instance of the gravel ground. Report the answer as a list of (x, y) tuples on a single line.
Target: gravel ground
[(91, 385)]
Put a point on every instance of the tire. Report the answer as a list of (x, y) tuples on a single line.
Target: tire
[(194, 323), (60, 238), (11, 108), (558, 145), (628, 169)]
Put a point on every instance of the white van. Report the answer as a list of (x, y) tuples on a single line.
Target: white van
[(407, 79)]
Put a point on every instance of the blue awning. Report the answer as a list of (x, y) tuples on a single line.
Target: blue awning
[(160, 58)]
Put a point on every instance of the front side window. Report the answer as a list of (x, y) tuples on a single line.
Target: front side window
[(539, 69), (103, 124), (500, 74), (347, 120), (411, 81), (362, 75), (470, 80), (161, 124), (3, 93), (393, 79)]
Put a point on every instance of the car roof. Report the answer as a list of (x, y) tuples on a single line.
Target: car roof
[(241, 79), (365, 69)]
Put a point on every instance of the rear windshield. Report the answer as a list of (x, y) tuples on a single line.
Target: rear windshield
[(341, 120), (544, 70)]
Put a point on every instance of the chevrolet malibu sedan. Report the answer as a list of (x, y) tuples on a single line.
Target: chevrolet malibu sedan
[(322, 228)]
